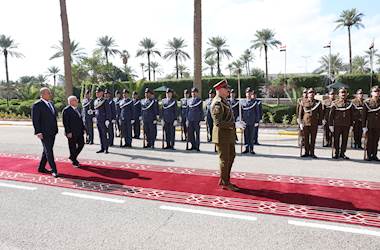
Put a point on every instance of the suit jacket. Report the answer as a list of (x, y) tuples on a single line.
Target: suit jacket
[(72, 121), (224, 131), (44, 121)]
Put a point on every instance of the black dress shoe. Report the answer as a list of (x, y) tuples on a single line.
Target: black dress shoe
[(245, 151), (343, 156), (91, 143), (305, 155), (375, 158), (167, 147), (106, 152), (314, 156), (336, 157), (55, 174), (44, 171), (252, 152), (100, 151), (360, 147), (146, 146), (368, 159)]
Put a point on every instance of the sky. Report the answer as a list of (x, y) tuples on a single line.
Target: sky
[(304, 26)]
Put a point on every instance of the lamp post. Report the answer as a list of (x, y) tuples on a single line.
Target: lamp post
[(283, 49), (371, 49), (329, 47)]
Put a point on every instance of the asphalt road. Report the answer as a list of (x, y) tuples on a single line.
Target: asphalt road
[(44, 217)]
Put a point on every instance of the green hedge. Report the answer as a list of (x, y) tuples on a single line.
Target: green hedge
[(356, 81), (277, 112), (307, 81)]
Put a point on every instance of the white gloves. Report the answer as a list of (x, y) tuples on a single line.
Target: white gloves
[(187, 123), (365, 130), (162, 122), (240, 124), (90, 112), (155, 122), (107, 123), (175, 123), (256, 124), (331, 129), (113, 121), (93, 119), (298, 121), (324, 122), (301, 126), (132, 121), (179, 119), (140, 118)]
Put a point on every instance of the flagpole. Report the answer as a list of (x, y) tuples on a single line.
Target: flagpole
[(330, 61), (371, 61)]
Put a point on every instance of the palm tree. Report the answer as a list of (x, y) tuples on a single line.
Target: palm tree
[(182, 69), (230, 67), (246, 58), (148, 49), (211, 64), (41, 79), (76, 52), (154, 66), (142, 65), (237, 66), (7, 44), (350, 18), (175, 50), (360, 64), (265, 39), (218, 50), (124, 57), (336, 64), (108, 45), (53, 71), (197, 43)]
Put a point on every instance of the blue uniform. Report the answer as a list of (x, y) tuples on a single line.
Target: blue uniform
[(117, 107), (169, 115), (184, 110), (250, 113), (110, 130), (149, 117), (126, 119), (235, 106), (136, 115), (194, 116), (87, 116), (260, 107), (102, 114), (209, 120)]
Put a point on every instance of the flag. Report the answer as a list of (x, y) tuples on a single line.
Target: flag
[(283, 48), (327, 45), (372, 45)]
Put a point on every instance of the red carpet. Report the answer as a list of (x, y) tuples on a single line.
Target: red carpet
[(325, 199)]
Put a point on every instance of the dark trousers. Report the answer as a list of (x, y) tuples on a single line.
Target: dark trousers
[(328, 134), (358, 133), (136, 129), (227, 155), (341, 131), (90, 131), (110, 134), (103, 135), (169, 134), (126, 132), (255, 138), (150, 131), (372, 142), (194, 134), (310, 134), (210, 125), (249, 135), (76, 144), (184, 127), (48, 154)]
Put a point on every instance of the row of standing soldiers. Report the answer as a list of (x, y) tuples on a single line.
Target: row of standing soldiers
[(338, 115), (123, 116)]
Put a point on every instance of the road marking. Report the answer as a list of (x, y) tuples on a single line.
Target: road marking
[(205, 212), (335, 228), (17, 186), (92, 197)]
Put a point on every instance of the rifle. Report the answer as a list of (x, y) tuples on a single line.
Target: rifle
[(240, 115), (163, 133), (187, 137), (144, 135), (332, 143), (352, 137), (121, 137), (324, 135), (182, 132), (300, 140), (365, 146)]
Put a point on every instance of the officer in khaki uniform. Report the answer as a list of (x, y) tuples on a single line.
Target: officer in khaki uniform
[(340, 121), (223, 133), (326, 113), (310, 116), (371, 123), (358, 103)]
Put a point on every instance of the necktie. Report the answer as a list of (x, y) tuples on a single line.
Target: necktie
[(51, 107)]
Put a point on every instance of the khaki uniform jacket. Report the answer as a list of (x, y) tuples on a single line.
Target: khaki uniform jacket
[(311, 113), (299, 101), (342, 113), (224, 131), (358, 111), (371, 114), (327, 108)]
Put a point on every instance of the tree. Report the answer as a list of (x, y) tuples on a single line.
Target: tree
[(237, 66), (265, 39), (154, 66), (211, 65), (197, 43), (66, 49), (336, 64), (350, 18), (230, 67), (125, 57), (360, 64), (76, 52), (142, 65), (148, 49), (53, 71), (108, 45), (183, 70), (41, 80), (175, 50), (246, 58), (7, 44), (218, 50)]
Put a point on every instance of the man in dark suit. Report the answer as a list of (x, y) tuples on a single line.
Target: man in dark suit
[(74, 129), (44, 118)]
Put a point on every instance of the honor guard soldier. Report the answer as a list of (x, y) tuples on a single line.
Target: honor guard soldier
[(184, 109), (110, 129), (117, 99), (371, 124), (340, 121), (156, 108), (88, 116), (194, 117), (358, 103), (234, 103), (299, 100), (137, 115), (224, 134), (149, 118), (209, 122), (169, 118), (103, 119), (326, 113), (126, 118), (251, 118), (260, 110), (310, 116)]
